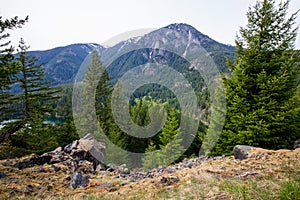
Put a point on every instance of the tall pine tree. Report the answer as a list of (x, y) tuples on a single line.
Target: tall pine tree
[(87, 110), (260, 106), (8, 66), (36, 92), (170, 144)]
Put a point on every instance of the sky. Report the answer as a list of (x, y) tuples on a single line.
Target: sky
[(54, 23)]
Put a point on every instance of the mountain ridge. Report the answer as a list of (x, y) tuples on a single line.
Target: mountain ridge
[(62, 63)]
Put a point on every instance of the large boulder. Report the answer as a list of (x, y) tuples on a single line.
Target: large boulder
[(89, 149), (297, 144), (241, 152)]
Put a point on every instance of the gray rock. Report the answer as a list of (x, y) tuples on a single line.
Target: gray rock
[(89, 149), (170, 169), (100, 167), (56, 169), (241, 152), (2, 175), (111, 167), (85, 154), (35, 160), (123, 169), (78, 180), (297, 144), (104, 185)]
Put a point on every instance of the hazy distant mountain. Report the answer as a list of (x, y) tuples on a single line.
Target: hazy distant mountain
[(62, 63)]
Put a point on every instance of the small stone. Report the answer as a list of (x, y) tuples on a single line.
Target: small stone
[(124, 175), (150, 176), (111, 167), (123, 169), (189, 165), (171, 170), (56, 169), (41, 170), (125, 183), (67, 148), (104, 185), (79, 180), (2, 175)]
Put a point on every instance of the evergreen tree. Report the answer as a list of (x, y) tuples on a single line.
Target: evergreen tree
[(170, 139), (119, 141), (170, 144), (103, 97), (36, 93), (217, 119), (170, 129), (260, 108), (87, 110), (151, 158), (8, 66), (34, 135), (140, 116), (116, 150)]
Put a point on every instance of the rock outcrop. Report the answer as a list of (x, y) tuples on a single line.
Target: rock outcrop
[(89, 149), (60, 180), (76, 155)]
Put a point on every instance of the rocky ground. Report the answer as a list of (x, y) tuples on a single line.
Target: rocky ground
[(261, 174)]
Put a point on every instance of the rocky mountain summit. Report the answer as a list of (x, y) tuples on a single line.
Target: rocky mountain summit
[(74, 172)]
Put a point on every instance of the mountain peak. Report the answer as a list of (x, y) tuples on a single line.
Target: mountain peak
[(186, 28), (180, 26)]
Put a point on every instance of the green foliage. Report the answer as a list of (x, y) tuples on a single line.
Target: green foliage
[(103, 100), (170, 130), (86, 110), (36, 93), (39, 137), (140, 116), (151, 159), (116, 148), (8, 67), (65, 133), (31, 134), (261, 110), (170, 144), (7, 150), (35, 138), (217, 119)]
